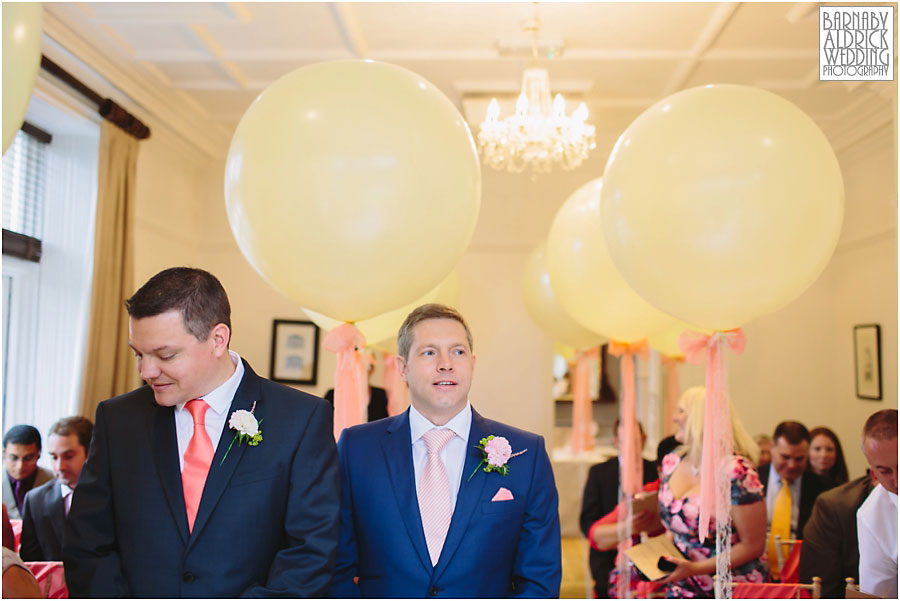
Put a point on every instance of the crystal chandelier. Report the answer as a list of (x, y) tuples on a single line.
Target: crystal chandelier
[(539, 134)]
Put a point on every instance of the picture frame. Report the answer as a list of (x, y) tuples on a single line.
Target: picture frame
[(867, 361), (295, 352)]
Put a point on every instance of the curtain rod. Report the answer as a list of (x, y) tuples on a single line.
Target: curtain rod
[(107, 108)]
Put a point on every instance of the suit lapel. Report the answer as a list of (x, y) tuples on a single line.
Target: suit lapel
[(468, 496), (397, 448), (220, 473), (168, 466)]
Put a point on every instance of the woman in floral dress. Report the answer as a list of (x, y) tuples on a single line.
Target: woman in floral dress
[(679, 506)]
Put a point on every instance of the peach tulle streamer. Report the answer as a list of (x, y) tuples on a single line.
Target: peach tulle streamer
[(351, 386), (394, 386), (581, 402), (630, 468), (673, 391), (630, 438), (718, 443)]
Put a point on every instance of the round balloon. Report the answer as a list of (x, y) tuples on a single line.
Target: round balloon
[(721, 204), (545, 310), (352, 187), (584, 278), (21, 61), (381, 331)]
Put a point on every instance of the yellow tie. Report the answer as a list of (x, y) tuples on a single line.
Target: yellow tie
[(781, 525)]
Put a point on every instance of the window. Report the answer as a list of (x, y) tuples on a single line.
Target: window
[(49, 200)]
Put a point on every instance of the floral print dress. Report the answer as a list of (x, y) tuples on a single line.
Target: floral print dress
[(681, 517)]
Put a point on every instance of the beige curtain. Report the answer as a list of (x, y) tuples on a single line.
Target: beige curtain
[(109, 368)]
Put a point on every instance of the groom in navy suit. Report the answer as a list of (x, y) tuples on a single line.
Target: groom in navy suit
[(424, 513), (170, 503)]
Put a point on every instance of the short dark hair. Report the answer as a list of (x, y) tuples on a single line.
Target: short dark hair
[(23, 435), (81, 427), (792, 432), (196, 294), (618, 421), (881, 425), (423, 313)]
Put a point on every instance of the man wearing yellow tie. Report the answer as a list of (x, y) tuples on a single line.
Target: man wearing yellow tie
[(790, 489)]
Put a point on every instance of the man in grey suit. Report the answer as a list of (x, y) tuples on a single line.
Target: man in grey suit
[(47, 506), (21, 450)]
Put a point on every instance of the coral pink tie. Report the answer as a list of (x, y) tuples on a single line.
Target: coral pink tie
[(434, 493), (197, 459)]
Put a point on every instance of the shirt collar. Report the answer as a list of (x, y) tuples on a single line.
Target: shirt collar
[(460, 423), (65, 490), (219, 400), (774, 478)]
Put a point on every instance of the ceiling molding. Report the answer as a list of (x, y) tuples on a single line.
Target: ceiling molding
[(711, 32), (147, 101)]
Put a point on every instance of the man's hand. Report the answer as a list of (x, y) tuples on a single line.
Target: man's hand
[(643, 521)]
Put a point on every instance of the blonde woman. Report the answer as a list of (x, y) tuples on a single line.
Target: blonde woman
[(679, 505)]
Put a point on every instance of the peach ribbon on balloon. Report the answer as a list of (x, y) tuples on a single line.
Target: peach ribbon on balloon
[(581, 401), (718, 443), (673, 391), (351, 386), (630, 468), (394, 386)]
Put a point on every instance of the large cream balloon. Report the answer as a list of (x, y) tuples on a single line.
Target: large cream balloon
[(381, 331), (352, 187), (21, 61), (545, 310), (583, 275), (721, 204)]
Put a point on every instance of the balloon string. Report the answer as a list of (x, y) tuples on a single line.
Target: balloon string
[(351, 387), (581, 439)]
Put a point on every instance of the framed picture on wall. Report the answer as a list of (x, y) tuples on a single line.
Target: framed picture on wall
[(867, 354), (295, 352)]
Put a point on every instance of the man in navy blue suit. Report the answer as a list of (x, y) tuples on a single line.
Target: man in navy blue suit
[(424, 511), (209, 481)]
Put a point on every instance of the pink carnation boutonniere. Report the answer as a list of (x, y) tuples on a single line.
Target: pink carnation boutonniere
[(246, 428), (497, 454)]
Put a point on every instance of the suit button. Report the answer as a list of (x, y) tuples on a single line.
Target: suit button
[(432, 592), (188, 577)]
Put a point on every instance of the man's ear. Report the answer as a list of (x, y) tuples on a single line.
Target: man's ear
[(221, 336), (400, 366)]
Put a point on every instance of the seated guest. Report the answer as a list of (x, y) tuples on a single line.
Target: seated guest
[(47, 506), (21, 449), (764, 442), (830, 549), (679, 505), (826, 457), (601, 495), (876, 519), (604, 534), (790, 489)]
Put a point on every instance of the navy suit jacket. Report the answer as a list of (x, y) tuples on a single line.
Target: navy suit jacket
[(43, 523), (267, 524), (493, 549)]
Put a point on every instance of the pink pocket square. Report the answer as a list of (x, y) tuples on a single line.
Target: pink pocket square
[(502, 495)]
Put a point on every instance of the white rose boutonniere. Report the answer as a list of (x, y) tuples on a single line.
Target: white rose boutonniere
[(246, 428)]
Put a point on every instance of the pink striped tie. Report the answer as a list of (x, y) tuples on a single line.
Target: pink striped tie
[(434, 493)]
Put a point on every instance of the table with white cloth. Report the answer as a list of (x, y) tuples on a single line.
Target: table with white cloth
[(571, 473)]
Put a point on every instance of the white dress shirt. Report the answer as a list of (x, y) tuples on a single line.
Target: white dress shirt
[(876, 523), (772, 492), (219, 400), (66, 493), (453, 455)]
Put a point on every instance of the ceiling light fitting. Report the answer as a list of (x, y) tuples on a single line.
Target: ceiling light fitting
[(539, 134)]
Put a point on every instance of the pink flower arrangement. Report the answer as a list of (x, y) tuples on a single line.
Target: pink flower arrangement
[(498, 451), (497, 454)]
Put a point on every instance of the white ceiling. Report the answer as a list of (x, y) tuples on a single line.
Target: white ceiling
[(197, 66)]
